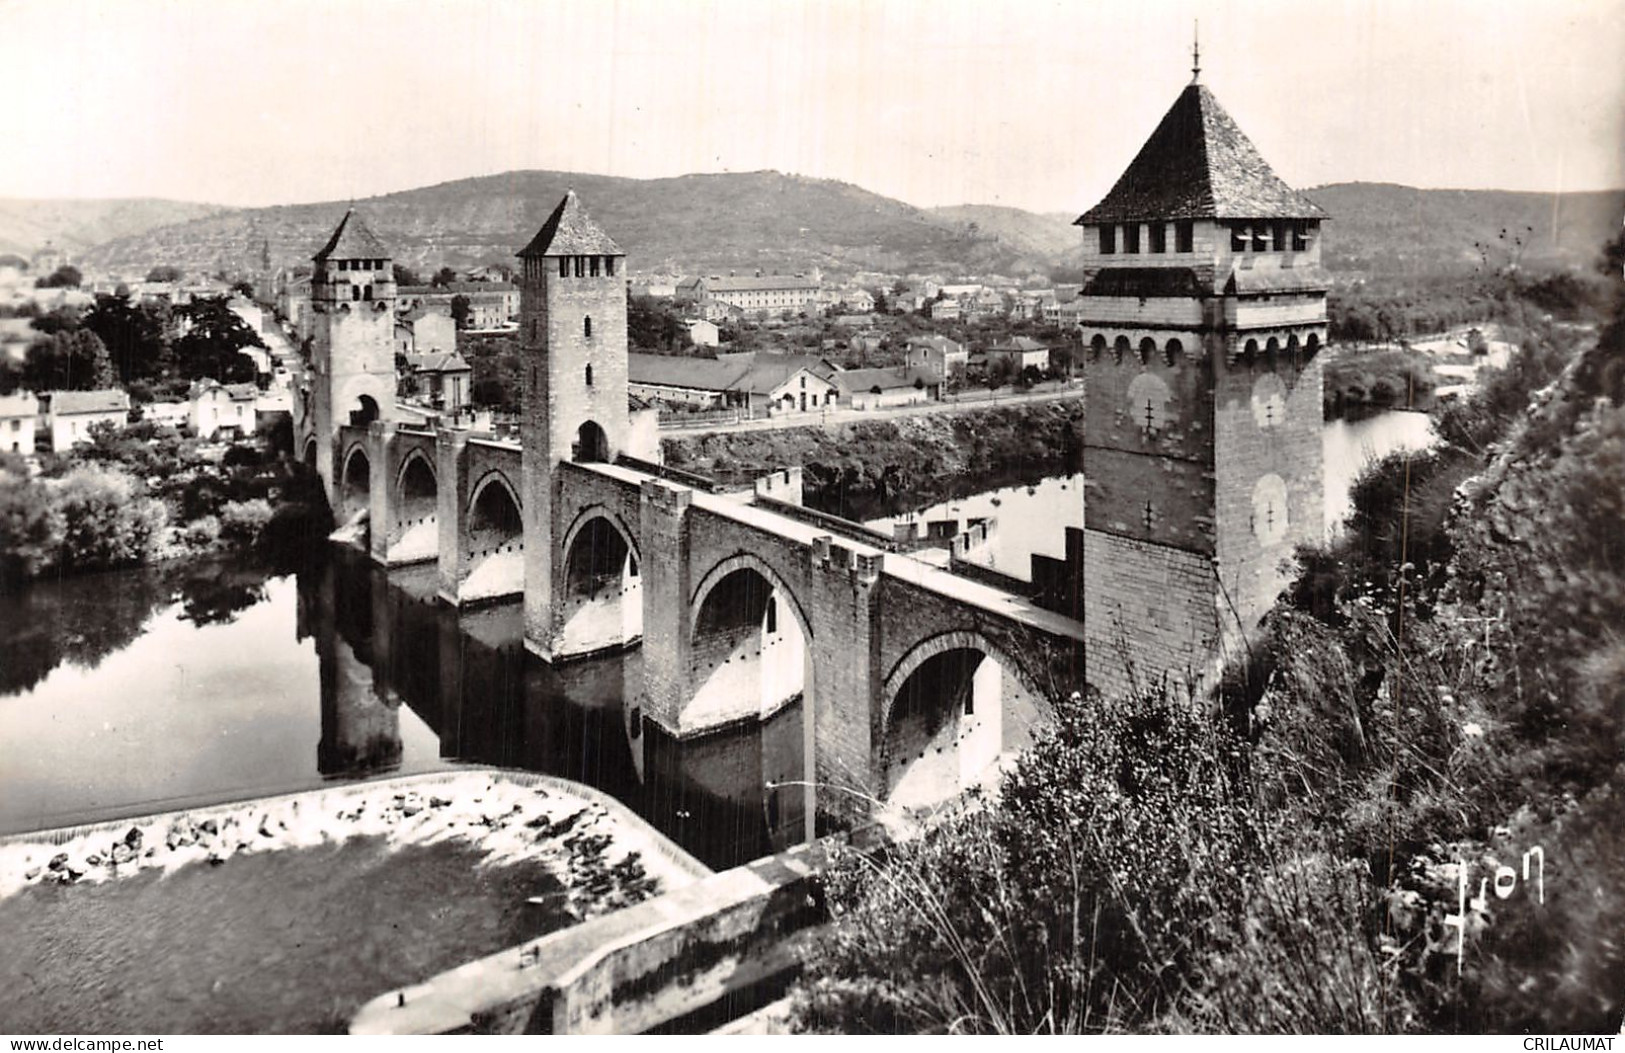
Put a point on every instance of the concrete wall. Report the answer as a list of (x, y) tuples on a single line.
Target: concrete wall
[(629, 971)]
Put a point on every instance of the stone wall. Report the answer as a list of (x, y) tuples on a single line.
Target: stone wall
[(1149, 611)]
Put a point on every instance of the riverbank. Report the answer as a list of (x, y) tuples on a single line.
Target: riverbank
[(285, 914), (874, 468)]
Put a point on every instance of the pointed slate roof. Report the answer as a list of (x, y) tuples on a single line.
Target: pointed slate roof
[(1199, 165), (569, 231), (352, 240)]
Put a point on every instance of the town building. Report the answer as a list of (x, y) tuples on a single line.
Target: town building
[(1203, 312), (944, 310), (221, 411), (70, 415), (443, 378), (883, 388), (19, 415), (760, 295), (703, 333), (491, 305), (1018, 354), (945, 358)]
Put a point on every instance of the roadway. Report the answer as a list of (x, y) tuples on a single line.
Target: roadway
[(961, 403)]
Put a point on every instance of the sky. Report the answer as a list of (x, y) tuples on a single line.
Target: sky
[(1037, 104)]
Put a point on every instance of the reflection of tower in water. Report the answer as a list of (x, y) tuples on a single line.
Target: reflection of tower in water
[(361, 730)]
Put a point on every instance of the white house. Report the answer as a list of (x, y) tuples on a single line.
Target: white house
[(71, 414), (880, 388), (703, 333), (1020, 352), (218, 408), (18, 415)]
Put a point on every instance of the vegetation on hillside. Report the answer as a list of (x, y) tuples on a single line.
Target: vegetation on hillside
[(860, 470), (1435, 710)]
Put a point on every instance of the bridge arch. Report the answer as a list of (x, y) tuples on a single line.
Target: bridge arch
[(495, 520), (310, 453), (355, 487), (600, 589), (591, 445), (942, 716), (415, 533), (750, 645)]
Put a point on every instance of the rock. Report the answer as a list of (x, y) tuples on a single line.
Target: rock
[(209, 826), (93, 860), (31, 874), (133, 839), (411, 804), (266, 829), (216, 857), (59, 861), (439, 802), (122, 854)]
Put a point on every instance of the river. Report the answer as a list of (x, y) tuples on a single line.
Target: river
[(149, 690)]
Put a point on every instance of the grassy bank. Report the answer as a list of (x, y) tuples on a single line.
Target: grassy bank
[(874, 468)]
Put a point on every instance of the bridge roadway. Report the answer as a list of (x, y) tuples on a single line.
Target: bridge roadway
[(896, 565)]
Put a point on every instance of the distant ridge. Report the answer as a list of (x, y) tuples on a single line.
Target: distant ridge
[(742, 222), (74, 225)]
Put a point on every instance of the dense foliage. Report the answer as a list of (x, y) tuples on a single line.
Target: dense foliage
[(145, 492)]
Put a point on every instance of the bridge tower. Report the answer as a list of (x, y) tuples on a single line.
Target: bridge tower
[(572, 317), (352, 358), (1201, 317)]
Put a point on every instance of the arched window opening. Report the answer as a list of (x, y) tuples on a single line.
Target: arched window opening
[(589, 376), (586, 326)]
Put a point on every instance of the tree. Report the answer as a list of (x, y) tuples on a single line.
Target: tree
[(405, 276), (459, 310), (69, 360), (444, 276), (66, 276), (164, 273), (134, 336), (212, 347)]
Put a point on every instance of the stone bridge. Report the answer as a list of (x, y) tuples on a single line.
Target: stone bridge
[(913, 681)]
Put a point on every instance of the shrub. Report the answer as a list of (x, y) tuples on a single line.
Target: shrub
[(203, 532), (245, 520)]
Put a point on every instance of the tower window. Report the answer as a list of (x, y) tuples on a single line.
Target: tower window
[(1300, 235), (1108, 239), (564, 266), (1240, 238), (355, 292), (1184, 236), (1159, 237), (609, 266), (589, 375), (1261, 237), (366, 292), (586, 326), (580, 269), (593, 262), (1131, 237)]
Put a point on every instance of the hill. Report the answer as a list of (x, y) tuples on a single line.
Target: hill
[(74, 226), (742, 222), (1384, 228), (697, 223), (1047, 234)]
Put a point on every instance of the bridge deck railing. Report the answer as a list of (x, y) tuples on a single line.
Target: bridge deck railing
[(833, 523), (676, 475)]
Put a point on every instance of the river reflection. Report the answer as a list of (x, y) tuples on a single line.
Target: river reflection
[(127, 693)]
